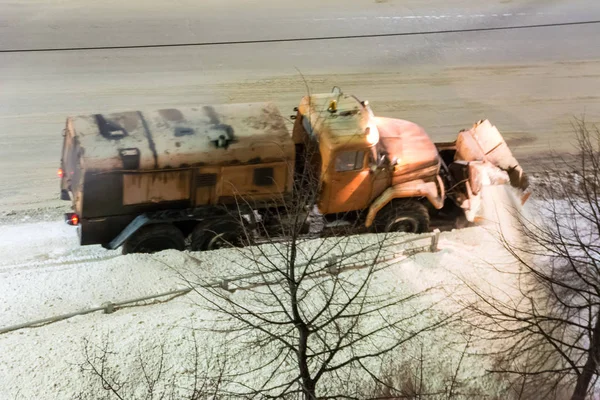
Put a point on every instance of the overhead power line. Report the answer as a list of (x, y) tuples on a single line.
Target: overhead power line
[(301, 39)]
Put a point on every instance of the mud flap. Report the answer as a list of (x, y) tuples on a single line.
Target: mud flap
[(132, 228)]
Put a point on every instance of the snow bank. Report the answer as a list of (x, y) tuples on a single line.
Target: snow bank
[(43, 272)]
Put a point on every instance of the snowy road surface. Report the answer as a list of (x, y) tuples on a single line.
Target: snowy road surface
[(529, 82), (68, 23)]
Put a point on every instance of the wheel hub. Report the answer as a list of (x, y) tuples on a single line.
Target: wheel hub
[(403, 224), (219, 241)]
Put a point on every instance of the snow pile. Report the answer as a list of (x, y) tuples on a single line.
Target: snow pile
[(44, 272)]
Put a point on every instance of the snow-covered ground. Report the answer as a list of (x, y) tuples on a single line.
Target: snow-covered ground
[(43, 273)]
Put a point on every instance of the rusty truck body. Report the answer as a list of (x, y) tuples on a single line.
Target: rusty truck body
[(147, 180)]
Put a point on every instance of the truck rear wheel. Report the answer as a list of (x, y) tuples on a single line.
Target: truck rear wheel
[(154, 238), (217, 234), (403, 216)]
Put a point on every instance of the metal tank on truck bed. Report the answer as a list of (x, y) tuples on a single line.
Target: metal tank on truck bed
[(119, 166), (147, 180)]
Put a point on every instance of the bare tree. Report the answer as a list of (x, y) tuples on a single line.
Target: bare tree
[(150, 377), (553, 329), (310, 325), (306, 309), (303, 318)]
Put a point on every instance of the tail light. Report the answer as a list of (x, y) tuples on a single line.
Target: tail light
[(60, 173), (72, 219)]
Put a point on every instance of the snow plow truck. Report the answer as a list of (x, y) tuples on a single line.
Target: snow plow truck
[(152, 180)]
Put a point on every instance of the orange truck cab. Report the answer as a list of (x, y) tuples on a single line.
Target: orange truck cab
[(368, 162)]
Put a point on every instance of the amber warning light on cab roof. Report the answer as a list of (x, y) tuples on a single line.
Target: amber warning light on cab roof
[(60, 173), (72, 219)]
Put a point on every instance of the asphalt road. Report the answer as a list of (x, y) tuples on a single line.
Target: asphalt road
[(529, 82)]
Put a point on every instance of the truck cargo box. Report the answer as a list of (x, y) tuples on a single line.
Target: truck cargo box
[(130, 162)]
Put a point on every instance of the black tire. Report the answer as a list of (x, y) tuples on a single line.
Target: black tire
[(403, 216), (217, 234), (270, 223), (273, 226), (154, 238)]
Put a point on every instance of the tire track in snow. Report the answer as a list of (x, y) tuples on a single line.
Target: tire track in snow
[(56, 263)]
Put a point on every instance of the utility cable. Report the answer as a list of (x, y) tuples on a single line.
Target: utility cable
[(301, 39)]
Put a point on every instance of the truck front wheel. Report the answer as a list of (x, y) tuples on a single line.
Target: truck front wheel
[(154, 238), (403, 216)]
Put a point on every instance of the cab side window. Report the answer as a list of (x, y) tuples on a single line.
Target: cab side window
[(349, 161)]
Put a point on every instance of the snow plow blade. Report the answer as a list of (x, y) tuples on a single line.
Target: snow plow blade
[(484, 143)]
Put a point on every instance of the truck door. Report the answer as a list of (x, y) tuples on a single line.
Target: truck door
[(349, 185)]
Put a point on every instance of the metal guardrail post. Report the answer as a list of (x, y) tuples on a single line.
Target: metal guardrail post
[(332, 266), (109, 307), (435, 238)]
